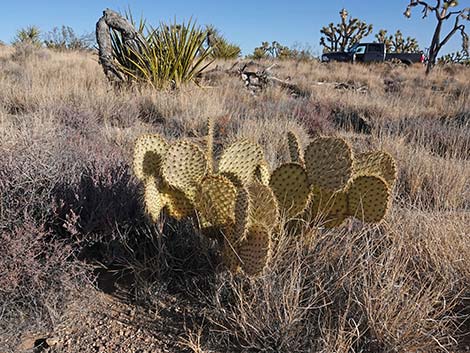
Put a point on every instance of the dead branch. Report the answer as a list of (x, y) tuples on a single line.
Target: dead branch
[(257, 77)]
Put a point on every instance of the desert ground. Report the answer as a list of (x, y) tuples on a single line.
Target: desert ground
[(83, 269)]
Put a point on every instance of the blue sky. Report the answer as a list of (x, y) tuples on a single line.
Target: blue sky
[(246, 23)]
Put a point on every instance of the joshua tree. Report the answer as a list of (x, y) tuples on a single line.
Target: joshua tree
[(275, 50), (455, 58), (342, 35), (397, 43), (442, 11)]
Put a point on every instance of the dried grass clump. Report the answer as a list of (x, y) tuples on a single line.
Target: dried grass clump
[(397, 287)]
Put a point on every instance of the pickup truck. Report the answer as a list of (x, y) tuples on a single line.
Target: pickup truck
[(372, 52)]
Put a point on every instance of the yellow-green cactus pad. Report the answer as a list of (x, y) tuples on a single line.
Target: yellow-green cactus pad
[(368, 198), (215, 200), (184, 167), (328, 161), (289, 183), (335, 211), (230, 256), (149, 151), (264, 210), (242, 211), (153, 199), (241, 159), (210, 144), (177, 204), (294, 148), (255, 250), (376, 163), (262, 173), (329, 209)]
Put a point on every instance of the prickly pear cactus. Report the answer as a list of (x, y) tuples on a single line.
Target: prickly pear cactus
[(239, 199), (234, 198), (295, 152), (332, 184)]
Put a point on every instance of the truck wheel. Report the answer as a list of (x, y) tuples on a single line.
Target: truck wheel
[(407, 62)]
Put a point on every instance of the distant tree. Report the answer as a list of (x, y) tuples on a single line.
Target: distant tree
[(341, 36), (459, 57), (275, 50), (29, 35), (64, 38), (397, 43), (442, 10), (221, 48), (259, 53)]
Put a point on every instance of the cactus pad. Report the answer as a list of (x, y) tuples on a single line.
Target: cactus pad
[(264, 210), (177, 204), (262, 173), (230, 255), (289, 183), (242, 211), (328, 161), (241, 159), (184, 167), (153, 199), (327, 209), (148, 155), (376, 163), (294, 148), (335, 210), (368, 198), (210, 144), (215, 200), (254, 251)]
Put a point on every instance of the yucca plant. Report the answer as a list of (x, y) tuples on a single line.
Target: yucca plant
[(167, 56), (30, 35)]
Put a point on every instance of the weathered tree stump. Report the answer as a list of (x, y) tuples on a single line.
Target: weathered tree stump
[(131, 38)]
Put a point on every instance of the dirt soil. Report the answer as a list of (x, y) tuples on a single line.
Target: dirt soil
[(95, 321)]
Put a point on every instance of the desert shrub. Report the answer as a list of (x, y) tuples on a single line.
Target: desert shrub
[(168, 56), (275, 50), (65, 38), (225, 50), (35, 266), (220, 47)]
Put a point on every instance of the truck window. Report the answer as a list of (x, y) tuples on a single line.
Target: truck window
[(375, 48), (361, 49), (353, 48)]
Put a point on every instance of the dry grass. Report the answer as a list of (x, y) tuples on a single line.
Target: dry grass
[(66, 189)]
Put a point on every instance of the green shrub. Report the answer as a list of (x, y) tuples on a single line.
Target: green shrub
[(221, 47)]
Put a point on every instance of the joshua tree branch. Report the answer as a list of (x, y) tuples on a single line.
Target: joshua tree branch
[(456, 28)]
